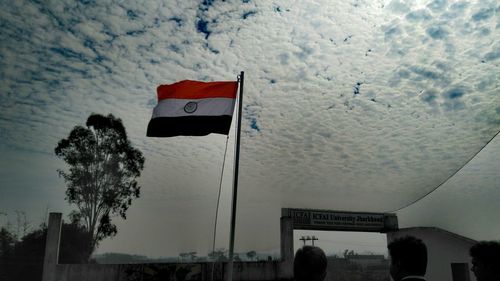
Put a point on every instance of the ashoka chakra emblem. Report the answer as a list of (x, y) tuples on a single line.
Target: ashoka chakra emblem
[(190, 107)]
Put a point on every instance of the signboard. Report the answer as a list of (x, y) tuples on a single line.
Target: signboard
[(341, 220)]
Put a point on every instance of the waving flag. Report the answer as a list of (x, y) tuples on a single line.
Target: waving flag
[(193, 108)]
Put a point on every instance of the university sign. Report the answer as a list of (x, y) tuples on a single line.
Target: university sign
[(340, 220)]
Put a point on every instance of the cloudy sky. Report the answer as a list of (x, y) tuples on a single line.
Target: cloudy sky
[(349, 105)]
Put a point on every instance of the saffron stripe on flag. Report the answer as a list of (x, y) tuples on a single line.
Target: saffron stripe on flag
[(188, 89)]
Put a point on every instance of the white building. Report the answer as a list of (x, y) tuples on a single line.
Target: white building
[(448, 253)]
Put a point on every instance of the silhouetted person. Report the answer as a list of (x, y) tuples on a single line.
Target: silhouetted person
[(408, 259), (486, 260), (309, 264)]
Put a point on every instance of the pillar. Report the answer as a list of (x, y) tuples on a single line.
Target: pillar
[(286, 270), (52, 247)]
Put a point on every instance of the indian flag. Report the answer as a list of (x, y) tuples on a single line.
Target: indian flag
[(193, 108)]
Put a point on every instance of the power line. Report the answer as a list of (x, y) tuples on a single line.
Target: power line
[(308, 238), (448, 178), (218, 203)]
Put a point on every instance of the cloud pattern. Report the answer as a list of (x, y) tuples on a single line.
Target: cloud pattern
[(355, 105)]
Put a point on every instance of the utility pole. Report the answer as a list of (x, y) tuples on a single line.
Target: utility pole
[(314, 238), (303, 240), (308, 238)]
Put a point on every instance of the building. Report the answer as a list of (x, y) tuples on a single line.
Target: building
[(448, 253)]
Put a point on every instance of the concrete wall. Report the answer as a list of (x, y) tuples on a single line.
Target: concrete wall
[(268, 270), (443, 249), (94, 272), (244, 271)]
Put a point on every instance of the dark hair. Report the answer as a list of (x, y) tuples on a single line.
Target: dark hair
[(411, 253), (309, 264), (487, 252)]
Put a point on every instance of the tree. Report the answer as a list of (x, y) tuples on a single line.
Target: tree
[(236, 257), (192, 256), (27, 260), (101, 180), (218, 255), (23, 259), (251, 255), (183, 256), (22, 224), (73, 247), (188, 256), (7, 241)]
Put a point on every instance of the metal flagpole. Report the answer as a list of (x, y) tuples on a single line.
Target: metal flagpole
[(235, 180)]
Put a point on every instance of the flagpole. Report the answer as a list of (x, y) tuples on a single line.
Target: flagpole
[(235, 180)]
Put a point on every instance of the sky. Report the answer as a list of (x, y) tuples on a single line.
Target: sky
[(348, 105)]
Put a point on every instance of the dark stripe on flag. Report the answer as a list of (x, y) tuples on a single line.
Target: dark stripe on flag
[(189, 126)]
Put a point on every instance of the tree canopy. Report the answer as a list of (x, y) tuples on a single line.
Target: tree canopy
[(21, 258), (101, 179)]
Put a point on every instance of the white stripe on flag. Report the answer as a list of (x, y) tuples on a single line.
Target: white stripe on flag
[(204, 107)]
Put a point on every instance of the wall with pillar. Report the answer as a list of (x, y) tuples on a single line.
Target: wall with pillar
[(448, 260), (242, 271)]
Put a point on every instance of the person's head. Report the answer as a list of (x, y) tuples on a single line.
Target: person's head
[(408, 257), (309, 264), (486, 260)]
